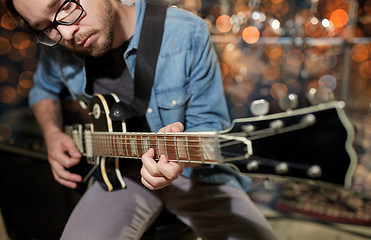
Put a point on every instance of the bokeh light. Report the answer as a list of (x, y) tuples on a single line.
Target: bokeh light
[(271, 72), (279, 91), (295, 58), (313, 28), (29, 51), (239, 97), (4, 74), (251, 34), (280, 8), (329, 81), (224, 23), (15, 55), (357, 81), (5, 23), (7, 95), (365, 69), (4, 46), (339, 18), (20, 40), (359, 53)]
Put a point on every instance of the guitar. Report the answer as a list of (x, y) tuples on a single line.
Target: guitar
[(313, 143)]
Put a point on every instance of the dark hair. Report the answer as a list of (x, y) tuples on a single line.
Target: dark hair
[(15, 19)]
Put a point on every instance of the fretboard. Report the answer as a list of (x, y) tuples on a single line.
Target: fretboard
[(200, 147)]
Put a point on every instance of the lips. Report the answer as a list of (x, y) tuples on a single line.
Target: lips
[(85, 42)]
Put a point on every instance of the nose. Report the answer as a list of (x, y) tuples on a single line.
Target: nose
[(68, 31)]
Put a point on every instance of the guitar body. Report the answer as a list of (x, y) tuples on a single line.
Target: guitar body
[(109, 174)]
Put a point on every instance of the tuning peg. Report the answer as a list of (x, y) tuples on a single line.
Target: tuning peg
[(314, 171), (290, 102), (320, 95), (282, 168), (249, 128), (259, 107), (276, 124), (253, 165), (308, 120)]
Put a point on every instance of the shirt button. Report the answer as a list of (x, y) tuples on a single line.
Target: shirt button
[(149, 110), (173, 102)]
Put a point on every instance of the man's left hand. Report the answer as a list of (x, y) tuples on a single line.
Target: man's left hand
[(157, 175)]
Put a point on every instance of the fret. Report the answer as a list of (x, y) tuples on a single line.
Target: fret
[(157, 155), (175, 149), (186, 146), (160, 145), (170, 146), (200, 148), (133, 147), (126, 146), (100, 146), (97, 147), (145, 143), (104, 147), (138, 143), (112, 144), (108, 146), (152, 143), (182, 151), (165, 148), (117, 144), (121, 140), (193, 148)]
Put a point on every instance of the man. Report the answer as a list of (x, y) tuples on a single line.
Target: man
[(92, 48)]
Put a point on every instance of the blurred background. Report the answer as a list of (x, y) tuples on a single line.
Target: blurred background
[(319, 50)]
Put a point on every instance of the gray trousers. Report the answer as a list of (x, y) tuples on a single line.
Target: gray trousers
[(213, 211)]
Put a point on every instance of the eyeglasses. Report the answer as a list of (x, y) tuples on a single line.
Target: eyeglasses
[(68, 13)]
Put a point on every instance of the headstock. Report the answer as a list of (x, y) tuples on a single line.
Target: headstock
[(313, 143)]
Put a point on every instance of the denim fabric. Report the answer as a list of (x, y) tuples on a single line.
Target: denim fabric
[(187, 86)]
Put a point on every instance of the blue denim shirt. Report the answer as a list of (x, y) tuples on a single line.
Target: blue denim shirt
[(187, 86)]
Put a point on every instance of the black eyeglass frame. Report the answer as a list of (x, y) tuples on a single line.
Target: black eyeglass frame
[(55, 23)]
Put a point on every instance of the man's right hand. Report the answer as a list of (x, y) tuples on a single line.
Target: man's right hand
[(63, 154)]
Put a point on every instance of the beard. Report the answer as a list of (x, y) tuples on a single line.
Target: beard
[(104, 43)]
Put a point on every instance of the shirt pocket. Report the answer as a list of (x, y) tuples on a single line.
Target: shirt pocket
[(172, 104)]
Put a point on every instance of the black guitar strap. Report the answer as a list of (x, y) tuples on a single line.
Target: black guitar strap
[(146, 61), (148, 49)]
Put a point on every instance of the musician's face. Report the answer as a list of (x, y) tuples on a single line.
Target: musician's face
[(92, 34)]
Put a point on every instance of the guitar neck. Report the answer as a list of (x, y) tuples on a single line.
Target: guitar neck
[(304, 143), (193, 147)]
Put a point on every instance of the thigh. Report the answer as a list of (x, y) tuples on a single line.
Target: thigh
[(216, 211), (122, 214)]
